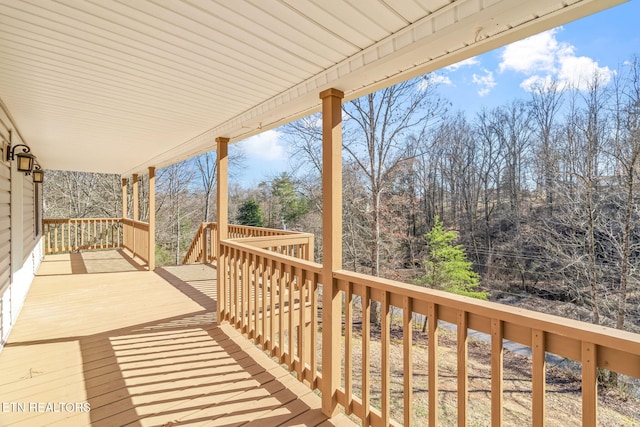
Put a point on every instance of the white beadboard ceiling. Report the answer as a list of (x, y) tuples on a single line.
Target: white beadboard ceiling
[(116, 86)]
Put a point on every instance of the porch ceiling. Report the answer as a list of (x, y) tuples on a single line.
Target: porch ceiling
[(116, 86)]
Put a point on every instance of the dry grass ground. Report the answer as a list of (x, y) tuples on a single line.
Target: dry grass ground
[(563, 403)]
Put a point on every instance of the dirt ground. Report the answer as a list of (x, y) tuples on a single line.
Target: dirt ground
[(563, 404)]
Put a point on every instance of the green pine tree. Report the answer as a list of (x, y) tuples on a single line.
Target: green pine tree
[(284, 205), (446, 265), (250, 214), (292, 205)]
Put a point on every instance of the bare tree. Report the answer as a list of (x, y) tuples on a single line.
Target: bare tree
[(69, 194), (490, 170), (304, 136), (376, 139), (173, 211), (626, 150), (207, 169), (513, 128), (577, 236), (592, 125), (546, 101)]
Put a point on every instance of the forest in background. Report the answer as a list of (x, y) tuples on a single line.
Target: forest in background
[(543, 192)]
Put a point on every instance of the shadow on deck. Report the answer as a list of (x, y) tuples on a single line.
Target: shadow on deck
[(101, 343)]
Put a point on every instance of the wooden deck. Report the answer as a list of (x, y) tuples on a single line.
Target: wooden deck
[(139, 348)]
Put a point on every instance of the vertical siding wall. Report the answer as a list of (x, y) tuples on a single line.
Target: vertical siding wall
[(5, 249), (20, 236), (28, 217)]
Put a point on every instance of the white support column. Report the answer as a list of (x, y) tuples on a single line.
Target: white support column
[(222, 218), (331, 245)]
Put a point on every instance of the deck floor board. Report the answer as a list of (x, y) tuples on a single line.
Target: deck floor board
[(141, 349)]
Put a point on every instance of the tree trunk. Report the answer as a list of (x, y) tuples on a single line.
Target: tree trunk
[(626, 254), (375, 253), (593, 284)]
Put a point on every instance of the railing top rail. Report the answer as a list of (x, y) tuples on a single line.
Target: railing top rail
[(56, 220), (294, 262), (190, 255), (254, 236), (291, 239), (614, 338), (274, 231), (131, 221)]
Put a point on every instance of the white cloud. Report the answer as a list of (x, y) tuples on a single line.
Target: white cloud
[(436, 79), (581, 71), (486, 82), (534, 82), (544, 59), (433, 79), (265, 146), (466, 63), (533, 54)]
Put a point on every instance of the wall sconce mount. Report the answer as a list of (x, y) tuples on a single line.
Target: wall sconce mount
[(26, 160), (38, 174)]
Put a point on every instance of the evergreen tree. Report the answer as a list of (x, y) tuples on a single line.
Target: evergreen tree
[(250, 214), (292, 205), (446, 266), (284, 206)]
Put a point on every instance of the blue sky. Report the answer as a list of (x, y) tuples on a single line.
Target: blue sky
[(570, 54)]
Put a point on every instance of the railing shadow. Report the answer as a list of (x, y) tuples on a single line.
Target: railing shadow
[(132, 262), (195, 371), (90, 262), (206, 297), (182, 370), (77, 264)]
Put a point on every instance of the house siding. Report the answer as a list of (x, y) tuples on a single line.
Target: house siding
[(20, 239), (28, 217), (5, 226), (5, 247)]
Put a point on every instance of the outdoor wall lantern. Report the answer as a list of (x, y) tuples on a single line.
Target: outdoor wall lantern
[(25, 159), (38, 174)]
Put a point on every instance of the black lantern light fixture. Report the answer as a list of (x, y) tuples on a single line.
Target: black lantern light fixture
[(38, 174), (25, 159)]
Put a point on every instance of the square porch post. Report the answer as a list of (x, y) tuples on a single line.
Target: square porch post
[(135, 197), (152, 218), (124, 197), (222, 218), (331, 245)]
